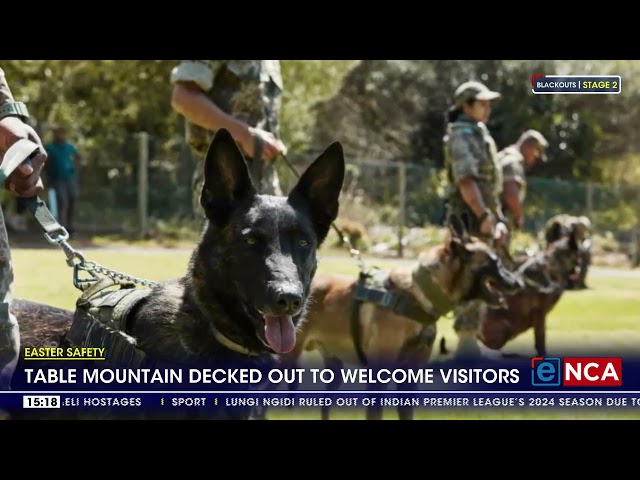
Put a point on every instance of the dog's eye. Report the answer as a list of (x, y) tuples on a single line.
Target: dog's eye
[(251, 240), (303, 243)]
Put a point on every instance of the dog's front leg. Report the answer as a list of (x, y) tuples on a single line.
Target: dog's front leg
[(416, 352), (467, 320), (335, 364), (406, 412), (539, 334), (374, 411)]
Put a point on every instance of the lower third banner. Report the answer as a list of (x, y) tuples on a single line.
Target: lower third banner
[(167, 401)]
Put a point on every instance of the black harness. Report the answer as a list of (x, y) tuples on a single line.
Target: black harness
[(101, 320), (377, 288)]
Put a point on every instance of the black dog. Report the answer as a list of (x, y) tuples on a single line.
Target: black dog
[(249, 278)]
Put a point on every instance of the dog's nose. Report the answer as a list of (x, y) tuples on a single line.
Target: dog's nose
[(288, 300)]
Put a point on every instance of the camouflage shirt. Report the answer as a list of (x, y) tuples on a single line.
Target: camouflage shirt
[(9, 334), (249, 90), (5, 92), (512, 163), (469, 150)]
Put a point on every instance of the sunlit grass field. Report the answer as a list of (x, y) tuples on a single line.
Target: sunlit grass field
[(605, 318)]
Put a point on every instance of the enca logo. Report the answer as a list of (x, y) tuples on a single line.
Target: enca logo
[(576, 372)]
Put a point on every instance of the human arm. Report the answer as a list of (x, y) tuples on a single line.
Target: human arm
[(191, 81), (464, 171), (511, 199), (25, 181), (513, 183)]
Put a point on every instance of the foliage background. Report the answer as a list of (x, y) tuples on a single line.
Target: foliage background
[(381, 110)]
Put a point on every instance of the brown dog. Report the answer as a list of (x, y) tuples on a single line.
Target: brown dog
[(546, 274), (463, 268), (356, 232)]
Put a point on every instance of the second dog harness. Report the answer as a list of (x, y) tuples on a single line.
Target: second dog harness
[(378, 288)]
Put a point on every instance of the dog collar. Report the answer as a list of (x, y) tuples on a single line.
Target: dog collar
[(231, 345)]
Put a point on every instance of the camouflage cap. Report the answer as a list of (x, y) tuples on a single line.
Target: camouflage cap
[(584, 221), (474, 91), (540, 140)]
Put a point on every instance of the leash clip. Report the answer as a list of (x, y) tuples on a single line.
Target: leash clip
[(61, 236), (83, 283)]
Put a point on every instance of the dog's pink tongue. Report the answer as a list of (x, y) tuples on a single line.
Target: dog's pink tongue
[(280, 332)]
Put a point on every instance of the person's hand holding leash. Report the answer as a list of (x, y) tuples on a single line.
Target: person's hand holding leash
[(272, 146), (487, 223), (25, 181), (501, 233)]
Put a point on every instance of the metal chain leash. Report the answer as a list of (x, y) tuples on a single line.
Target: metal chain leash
[(80, 264), (116, 275)]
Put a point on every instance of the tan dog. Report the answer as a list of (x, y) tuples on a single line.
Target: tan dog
[(356, 232), (463, 268)]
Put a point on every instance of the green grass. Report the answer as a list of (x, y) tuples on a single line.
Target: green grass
[(606, 317)]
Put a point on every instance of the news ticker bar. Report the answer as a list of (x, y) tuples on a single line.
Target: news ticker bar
[(576, 84), (314, 399)]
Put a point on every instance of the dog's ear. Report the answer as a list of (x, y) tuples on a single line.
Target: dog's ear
[(319, 189), (226, 178), (454, 246), (458, 229)]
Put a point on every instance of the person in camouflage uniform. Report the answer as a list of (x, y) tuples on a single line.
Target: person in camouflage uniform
[(475, 185), (515, 160), (564, 224), (25, 181), (243, 96)]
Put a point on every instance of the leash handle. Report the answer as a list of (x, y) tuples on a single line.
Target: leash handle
[(21, 152)]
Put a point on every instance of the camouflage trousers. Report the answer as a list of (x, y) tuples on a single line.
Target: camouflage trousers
[(263, 174), (9, 333), (584, 258), (467, 315)]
